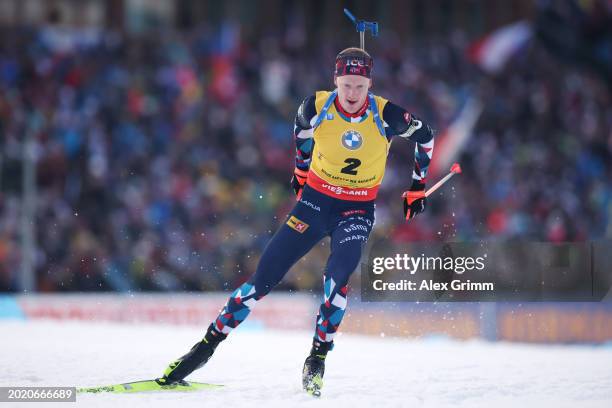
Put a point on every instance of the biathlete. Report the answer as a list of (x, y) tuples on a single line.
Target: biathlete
[(342, 142)]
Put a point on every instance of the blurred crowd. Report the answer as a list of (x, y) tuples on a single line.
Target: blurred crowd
[(163, 161)]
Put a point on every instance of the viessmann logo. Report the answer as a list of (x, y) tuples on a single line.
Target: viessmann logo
[(339, 190)]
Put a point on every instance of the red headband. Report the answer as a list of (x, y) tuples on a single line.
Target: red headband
[(354, 65)]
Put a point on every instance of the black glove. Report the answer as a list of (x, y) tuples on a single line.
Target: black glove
[(297, 182), (414, 200)]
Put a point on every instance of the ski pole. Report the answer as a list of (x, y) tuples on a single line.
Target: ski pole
[(455, 169)]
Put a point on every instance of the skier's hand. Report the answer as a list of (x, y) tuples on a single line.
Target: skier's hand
[(414, 200), (297, 182)]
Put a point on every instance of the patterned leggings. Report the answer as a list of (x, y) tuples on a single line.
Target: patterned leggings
[(315, 216)]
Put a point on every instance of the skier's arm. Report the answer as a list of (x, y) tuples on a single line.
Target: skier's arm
[(399, 122), (302, 133), (304, 143)]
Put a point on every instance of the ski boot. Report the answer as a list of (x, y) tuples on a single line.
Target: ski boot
[(314, 367), (199, 354)]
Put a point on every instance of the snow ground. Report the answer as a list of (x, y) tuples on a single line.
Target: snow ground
[(262, 368)]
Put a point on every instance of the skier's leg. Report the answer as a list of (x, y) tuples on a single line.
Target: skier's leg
[(290, 243), (294, 239), (347, 241)]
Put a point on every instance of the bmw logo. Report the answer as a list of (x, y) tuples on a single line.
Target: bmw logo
[(352, 140)]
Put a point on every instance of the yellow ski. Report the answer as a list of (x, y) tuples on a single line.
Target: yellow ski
[(149, 386)]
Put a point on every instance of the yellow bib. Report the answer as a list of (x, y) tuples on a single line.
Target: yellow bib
[(348, 154)]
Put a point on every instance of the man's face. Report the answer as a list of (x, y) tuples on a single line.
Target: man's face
[(352, 91)]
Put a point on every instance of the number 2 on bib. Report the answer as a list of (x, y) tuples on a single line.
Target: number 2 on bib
[(352, 165)]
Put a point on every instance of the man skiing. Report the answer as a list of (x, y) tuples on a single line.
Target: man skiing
[(342, 142)]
